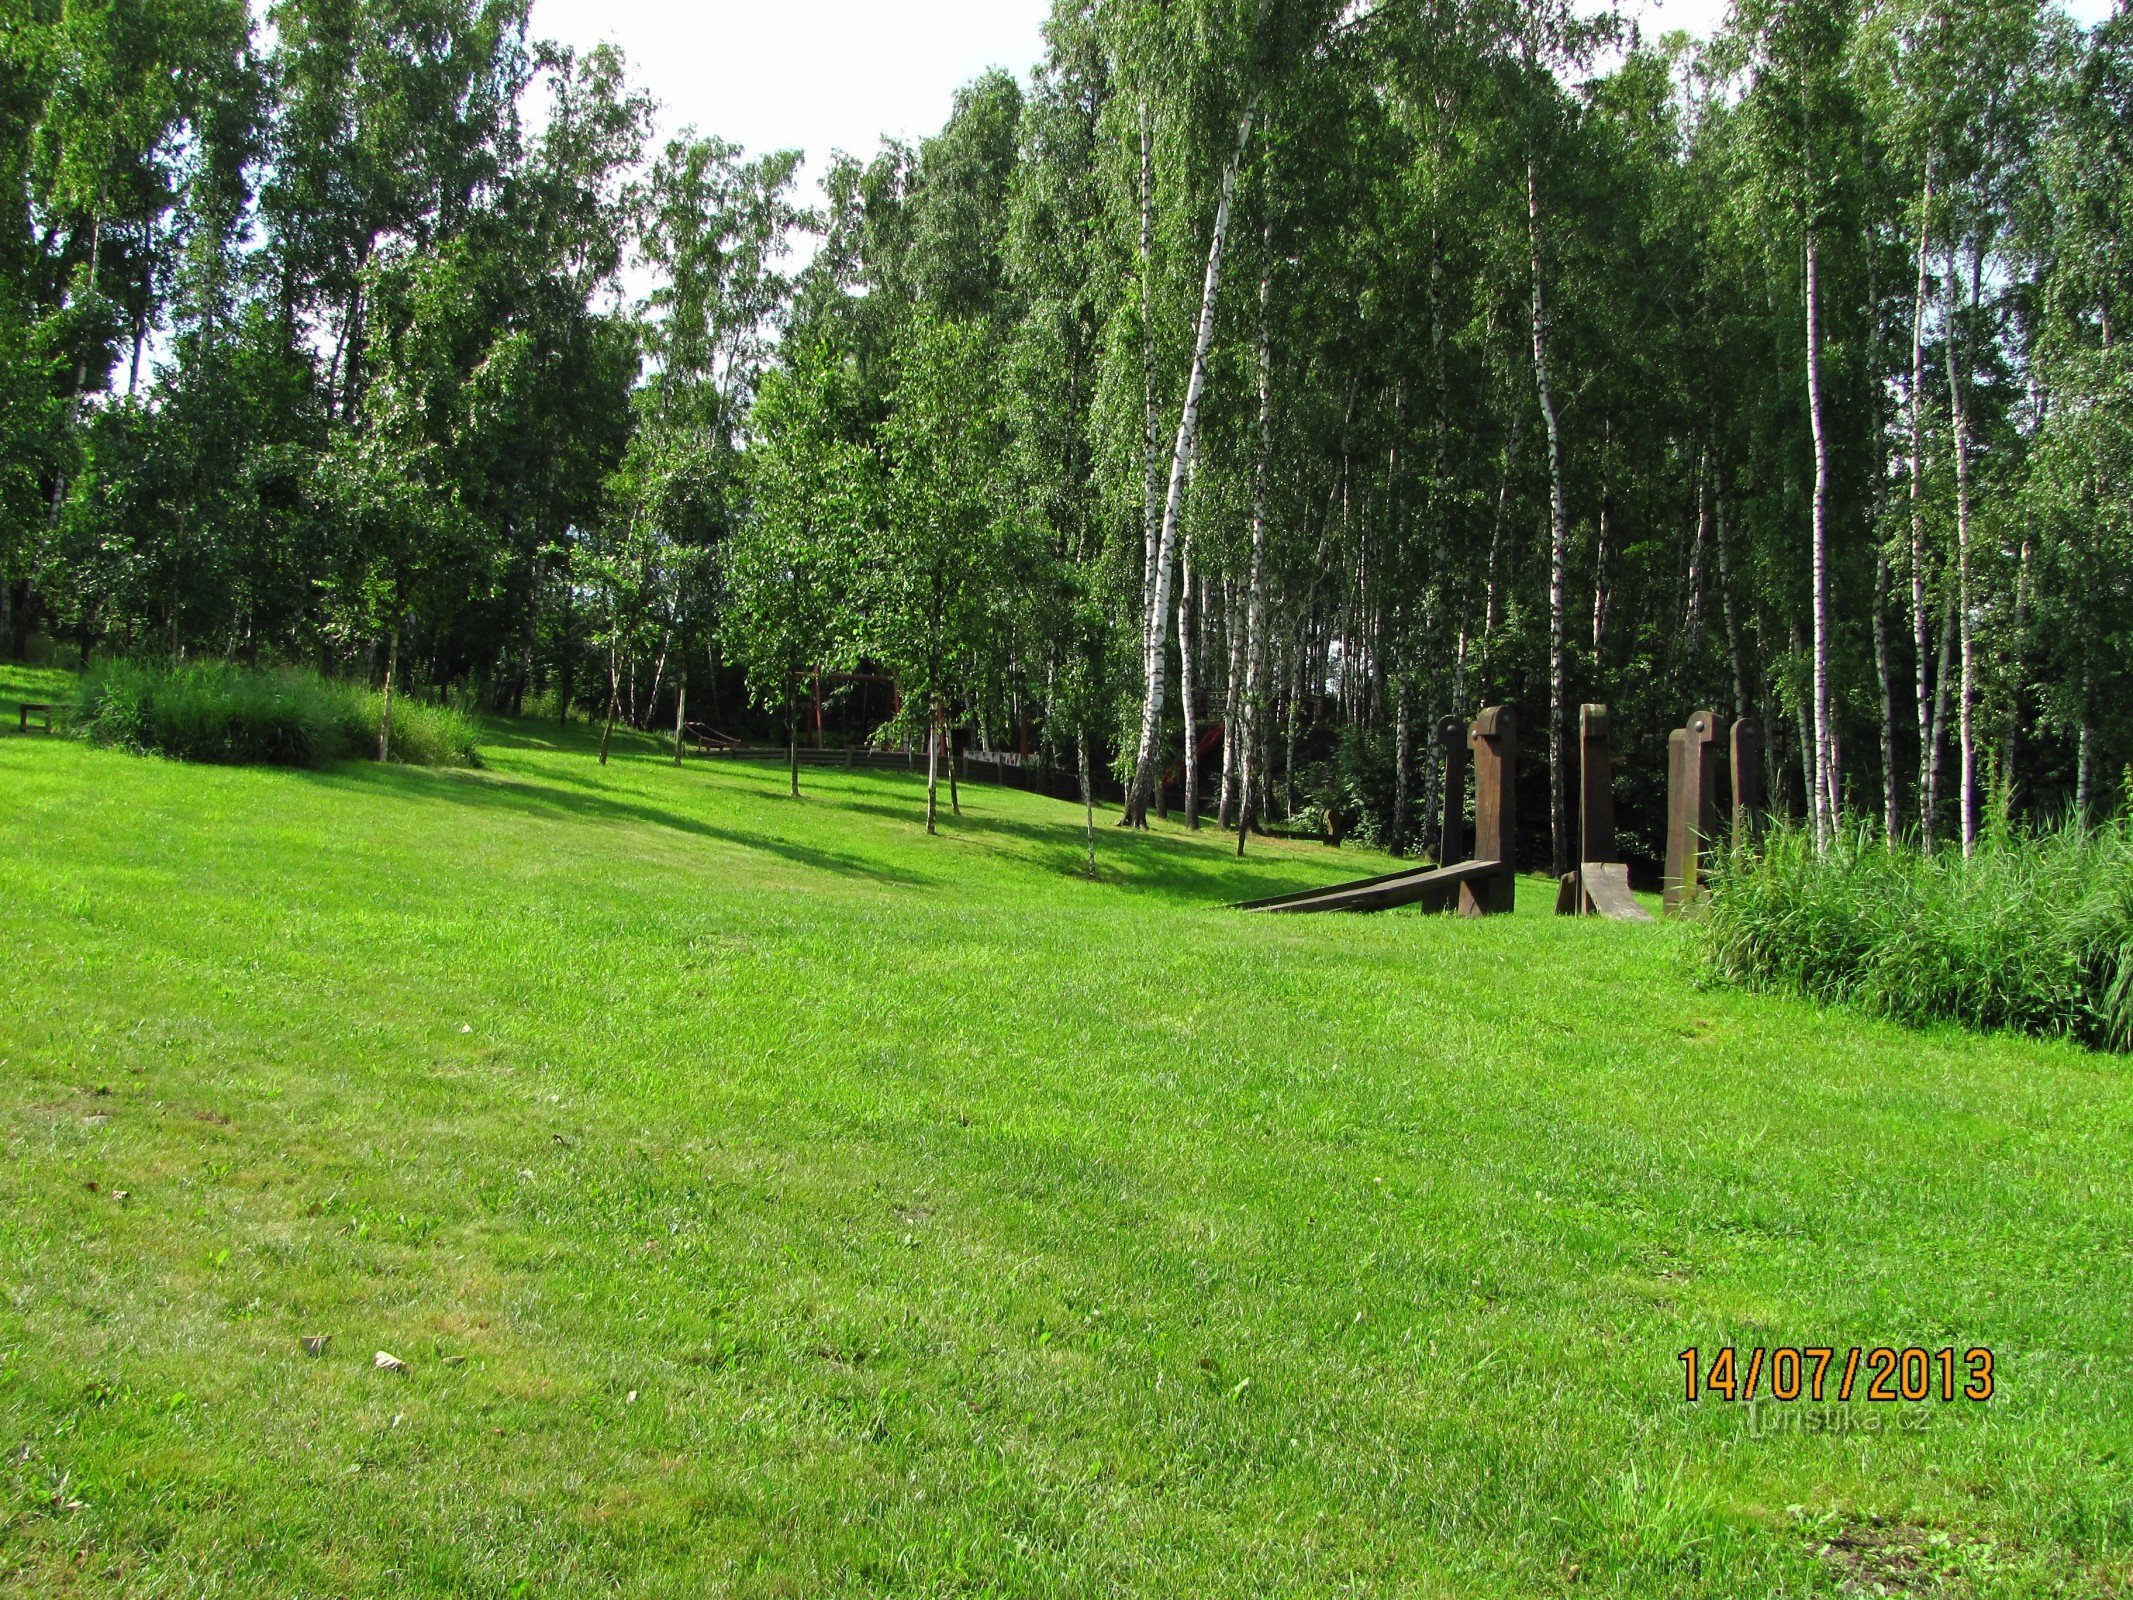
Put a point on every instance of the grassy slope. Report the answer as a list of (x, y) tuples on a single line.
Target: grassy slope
[(961, 1226)]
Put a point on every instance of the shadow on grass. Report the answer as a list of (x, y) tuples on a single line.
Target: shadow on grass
[(1176, 868), (584, 801)]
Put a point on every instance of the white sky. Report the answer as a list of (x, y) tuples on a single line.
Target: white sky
[(813, 75), (822, 75)]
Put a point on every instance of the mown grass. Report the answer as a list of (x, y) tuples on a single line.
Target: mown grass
[(963, 1227), (216, 712), (2031, 932)]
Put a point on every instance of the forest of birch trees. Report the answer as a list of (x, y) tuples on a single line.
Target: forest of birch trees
[(1210, 413)]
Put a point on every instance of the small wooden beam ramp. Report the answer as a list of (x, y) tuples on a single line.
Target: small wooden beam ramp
[(1434, 890), (1600, 886)]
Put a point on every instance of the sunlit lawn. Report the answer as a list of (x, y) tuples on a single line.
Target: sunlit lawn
[(765, 1198)]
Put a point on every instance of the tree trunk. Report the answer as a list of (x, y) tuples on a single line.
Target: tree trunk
[(614, 704), (385, 717), (933, 767), (1937, 731), (1255, 585), (1558, 543), (1186, 687), (2085, 759), (1603, 551), (1233, 636), (1735, 647), (1826, 787), (1884, 674), (1154, 642), (1402, 759), (1921, 619), (681, 716), (792, 733), (1151, 413), (1692, 606), (659, 673), (1088, 802), (1966, 733)]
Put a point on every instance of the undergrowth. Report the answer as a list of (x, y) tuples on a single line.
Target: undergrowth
[(215, 712), (2031, 933)]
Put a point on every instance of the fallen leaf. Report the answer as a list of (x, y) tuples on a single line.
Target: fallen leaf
[(122, 1194), (388, 1363), (632, 1400), (315, 1344)]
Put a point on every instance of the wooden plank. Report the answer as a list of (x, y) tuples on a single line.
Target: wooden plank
[(1275, 902), (1432, 890), (1607, 893)]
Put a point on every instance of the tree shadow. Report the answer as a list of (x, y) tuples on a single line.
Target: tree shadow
[(1177, 868), (584, 801)]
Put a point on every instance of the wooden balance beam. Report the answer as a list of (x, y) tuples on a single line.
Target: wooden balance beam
[(1483, 887), (1434, 890)]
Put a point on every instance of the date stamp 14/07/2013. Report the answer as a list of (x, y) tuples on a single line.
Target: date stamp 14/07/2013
[(1883, 1375)]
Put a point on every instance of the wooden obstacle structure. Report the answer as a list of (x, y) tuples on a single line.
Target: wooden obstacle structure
[(1484, 886), (1693, 815), (1600, 886)]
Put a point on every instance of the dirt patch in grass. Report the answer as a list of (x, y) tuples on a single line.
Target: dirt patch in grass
[(1894, 1560)]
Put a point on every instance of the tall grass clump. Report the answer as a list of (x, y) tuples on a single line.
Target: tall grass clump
[(2032, 933), (212, 711)]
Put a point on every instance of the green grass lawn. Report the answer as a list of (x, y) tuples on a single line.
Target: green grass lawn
[(767, 1199)]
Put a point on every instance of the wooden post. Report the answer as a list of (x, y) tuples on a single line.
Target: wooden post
[(1451, 831), (1596, 787), (1494, 742), (1692, 808), (1748, 805)]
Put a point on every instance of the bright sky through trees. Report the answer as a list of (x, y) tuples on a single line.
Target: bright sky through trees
[(823, 75), (815, 75)]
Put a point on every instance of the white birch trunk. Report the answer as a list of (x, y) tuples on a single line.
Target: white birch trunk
[(1966, 733), (1151, 415), (1186, 688), (1921, 617), (1255, 585), (1824, 765), (1154, 640), (1558, 540)]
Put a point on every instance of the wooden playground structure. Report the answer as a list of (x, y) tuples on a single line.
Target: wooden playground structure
[(1483, 883)]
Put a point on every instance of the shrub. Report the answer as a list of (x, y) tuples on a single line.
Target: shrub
[(2032, 933), (210, 711)]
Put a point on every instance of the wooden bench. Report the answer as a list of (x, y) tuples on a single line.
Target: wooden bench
[(41, 709)]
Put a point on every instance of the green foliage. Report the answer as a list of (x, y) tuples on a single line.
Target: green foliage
[(210, 711), (2031, 933), (1353, 793)]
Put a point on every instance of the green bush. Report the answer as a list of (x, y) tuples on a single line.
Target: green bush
[(210, 711), (2033, 933)]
